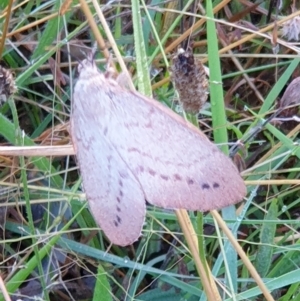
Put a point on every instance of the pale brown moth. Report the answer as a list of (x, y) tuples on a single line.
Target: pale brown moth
[(130, 148)]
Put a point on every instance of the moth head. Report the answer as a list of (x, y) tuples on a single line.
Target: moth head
[(87, 66)]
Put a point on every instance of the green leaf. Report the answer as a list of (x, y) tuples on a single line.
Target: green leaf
[(52, 30), (143, 78), (102, 287), (265, 249)]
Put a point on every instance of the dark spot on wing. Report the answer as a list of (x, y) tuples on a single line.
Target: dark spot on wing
[(151, 172), (123, 175), (105, 131), (177, 177), (121, 194), (166, 178), (216, 185), (119, 219), (151, 110), (190, 181), (110, 94), (133, 150), (205, 186)]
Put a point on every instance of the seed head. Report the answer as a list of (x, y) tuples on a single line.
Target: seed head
[(7, 84)]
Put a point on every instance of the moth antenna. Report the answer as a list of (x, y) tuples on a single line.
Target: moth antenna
[(93, 51), (109, 62), (75, 57), (110, 71), (91, 56)]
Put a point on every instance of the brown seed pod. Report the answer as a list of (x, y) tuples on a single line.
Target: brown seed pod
[(7, 84), (189, 78)]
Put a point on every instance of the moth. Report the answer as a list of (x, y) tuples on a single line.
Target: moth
[(130, 148)]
